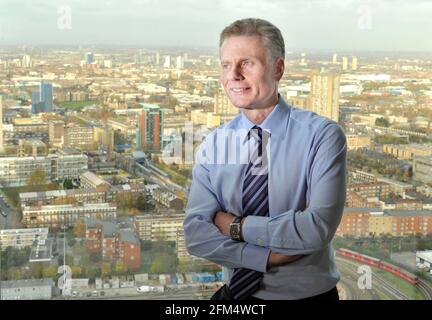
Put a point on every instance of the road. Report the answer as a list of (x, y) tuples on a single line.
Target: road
[(10, 221), (348, 285)]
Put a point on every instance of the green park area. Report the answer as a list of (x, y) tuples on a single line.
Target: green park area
[(36, 182), (12, 193), (177, 175), (401, 285)]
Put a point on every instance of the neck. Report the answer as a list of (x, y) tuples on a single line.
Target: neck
[(258, 115)]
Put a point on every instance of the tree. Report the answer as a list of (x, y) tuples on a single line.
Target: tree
[(37, 178), (14, 274), (119, 139), (76, 271), (95, 257), (79, 229), (141, 203), (106, 269), (49, 272), (382, 122), (71, 242), (36, 270), (67, 184), (156, 266), (93, 272), (120, 267), (69, 259)]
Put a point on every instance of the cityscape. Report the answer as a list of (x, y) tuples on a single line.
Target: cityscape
[(96, 158)]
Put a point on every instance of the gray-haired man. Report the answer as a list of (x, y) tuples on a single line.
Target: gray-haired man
[(268, 221)]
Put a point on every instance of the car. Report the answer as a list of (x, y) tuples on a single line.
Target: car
[(95, 293)]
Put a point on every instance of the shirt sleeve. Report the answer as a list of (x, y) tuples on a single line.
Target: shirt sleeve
[(203, 238), (304, 232)]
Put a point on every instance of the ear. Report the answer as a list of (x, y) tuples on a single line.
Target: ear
[(279, 68)]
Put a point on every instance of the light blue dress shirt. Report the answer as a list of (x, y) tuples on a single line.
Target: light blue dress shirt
[(307, 190)]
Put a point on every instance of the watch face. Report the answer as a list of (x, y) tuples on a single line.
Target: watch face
[(235, 231)]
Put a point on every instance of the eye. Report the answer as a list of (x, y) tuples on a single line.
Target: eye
[(247, 63), (225, 66)]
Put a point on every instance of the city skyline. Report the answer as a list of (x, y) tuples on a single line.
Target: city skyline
[(350, 25), (98, 142)]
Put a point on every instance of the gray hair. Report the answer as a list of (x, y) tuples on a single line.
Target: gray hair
[(257, 27)]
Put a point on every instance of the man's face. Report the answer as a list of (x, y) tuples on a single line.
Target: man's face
[(249, 75)]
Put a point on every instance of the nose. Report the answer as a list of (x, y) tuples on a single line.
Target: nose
[(235, 74)]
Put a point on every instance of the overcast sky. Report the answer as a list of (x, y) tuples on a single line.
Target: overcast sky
[(390, 25)]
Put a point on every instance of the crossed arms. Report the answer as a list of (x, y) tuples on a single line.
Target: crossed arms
[(277, 240)]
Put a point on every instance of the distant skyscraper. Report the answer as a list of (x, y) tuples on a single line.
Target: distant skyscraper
[(89, 57), (46, 95), (303, 59), (157, 58), (335, 58), (108, 63), (149, 133), (167, 62), (345, 63), (179, 62), (26, 61), (37, 105), (354, 64), (324, 95), (1, 124), (42, 101)]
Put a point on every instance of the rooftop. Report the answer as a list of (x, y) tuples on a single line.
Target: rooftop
[(128, 236), (27, 283), (93, 178), (425, 255)]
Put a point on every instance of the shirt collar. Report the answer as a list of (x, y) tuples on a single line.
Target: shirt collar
[(275, 123)]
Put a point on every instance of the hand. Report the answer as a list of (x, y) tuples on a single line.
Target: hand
[(222, 220), (277, 259)]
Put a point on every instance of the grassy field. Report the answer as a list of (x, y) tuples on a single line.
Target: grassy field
[(176, 177), (12, 194), (400, 284)]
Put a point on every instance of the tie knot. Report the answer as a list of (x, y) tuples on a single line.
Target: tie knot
[(255, 132)]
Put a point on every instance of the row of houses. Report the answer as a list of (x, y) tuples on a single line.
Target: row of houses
[(113, 243), (368, 222)]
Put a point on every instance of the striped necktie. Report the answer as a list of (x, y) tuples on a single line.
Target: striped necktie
[(244, 282)]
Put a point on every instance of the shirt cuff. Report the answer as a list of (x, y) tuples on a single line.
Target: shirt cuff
[(254, 257), (254, 230)]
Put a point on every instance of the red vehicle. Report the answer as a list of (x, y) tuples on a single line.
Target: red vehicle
[(397, 271)]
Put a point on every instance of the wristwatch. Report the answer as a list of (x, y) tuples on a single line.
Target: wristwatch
[(235, 229)]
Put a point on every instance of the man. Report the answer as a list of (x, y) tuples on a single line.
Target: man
[(268, 220)]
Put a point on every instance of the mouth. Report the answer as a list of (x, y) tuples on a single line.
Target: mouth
[(240, 91)]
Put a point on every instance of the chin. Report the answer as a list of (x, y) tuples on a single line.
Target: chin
[(240, 103)]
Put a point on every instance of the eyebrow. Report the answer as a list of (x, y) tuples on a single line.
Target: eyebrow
[(240, 60)]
